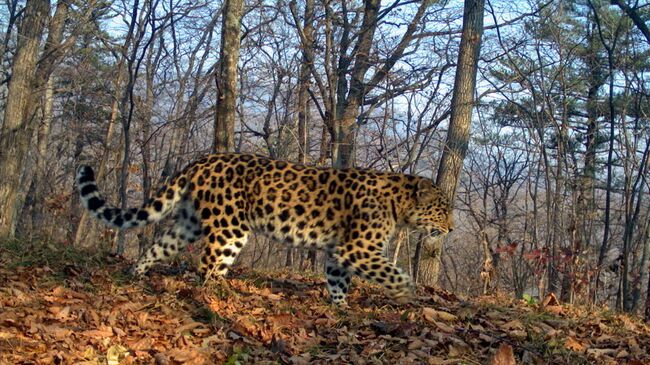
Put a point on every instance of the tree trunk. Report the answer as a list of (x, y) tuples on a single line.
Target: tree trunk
[(305, 82), (18, 125), (82, 227), (645, 267), (635, 16), (647, 302), (44, 90), (644, 261), (131, 49), (303, 97), (462, 104), (146, 235), (586, 204), (604, 246), (39, 181), (226, 77), (346, 122)]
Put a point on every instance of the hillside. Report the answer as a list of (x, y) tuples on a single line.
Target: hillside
[(60, 306)]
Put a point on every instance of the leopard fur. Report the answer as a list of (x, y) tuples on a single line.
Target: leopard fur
[(224, 198)]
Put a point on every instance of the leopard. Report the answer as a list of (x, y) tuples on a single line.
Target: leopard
[(223, 199)]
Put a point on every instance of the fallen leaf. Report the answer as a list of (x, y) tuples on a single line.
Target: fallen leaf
[(183, 355), (144, 343), (433, 360), (503, 356), (431, 315), (520, 335), (102, 332), (636, 362), (57, 332), (598, 353), (512, 325), (60, 313), (628, 324), (415, 344), (304, 359), (550, 300), (552, 305), (116, 353), (443, 327), (280, 320), (622, 354), (189, 326), (555, 309), (574, 345)]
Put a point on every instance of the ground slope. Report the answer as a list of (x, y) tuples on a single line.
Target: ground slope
[(65, 307)]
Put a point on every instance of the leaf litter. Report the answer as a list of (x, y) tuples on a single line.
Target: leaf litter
[(94, 316)]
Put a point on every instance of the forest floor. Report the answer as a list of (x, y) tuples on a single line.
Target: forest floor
[(62, 306)]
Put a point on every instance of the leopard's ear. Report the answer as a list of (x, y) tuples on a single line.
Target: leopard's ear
[(425, 191)]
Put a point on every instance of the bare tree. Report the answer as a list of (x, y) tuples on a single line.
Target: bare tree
[(18, 124), (226, 77), (346, 88), (462, 104)]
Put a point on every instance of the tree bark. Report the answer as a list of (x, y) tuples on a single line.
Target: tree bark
[(44, 90), (647, 302), (42, 139), (305, 81), (462, 104), (18, 125), (303, 100), (604, 246), (634, 15), (226, 77), (586, 205), (346, 122)]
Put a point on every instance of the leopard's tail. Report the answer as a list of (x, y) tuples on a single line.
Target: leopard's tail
[(152, 211)]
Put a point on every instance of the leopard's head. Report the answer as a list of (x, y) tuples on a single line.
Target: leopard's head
[(431, 212)]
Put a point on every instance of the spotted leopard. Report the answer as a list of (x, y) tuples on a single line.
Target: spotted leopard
[(225, 198)]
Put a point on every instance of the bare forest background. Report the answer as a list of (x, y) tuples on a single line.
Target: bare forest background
[(553, 191)]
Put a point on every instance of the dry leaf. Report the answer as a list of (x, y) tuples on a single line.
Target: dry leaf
[(144, 343), (189, 326), (183, 355), (102, 332), (431, 315), (443, 327), (246, 324), (434, 360), (574, 345), (555, 309), (597, 353), (115, 353), (622, 354), (503, 356), (520, 335), (415, 344), (281, 320), (628, 324), (304, 359), (512, 325), (57, 332), (550, 300), (636, 362)]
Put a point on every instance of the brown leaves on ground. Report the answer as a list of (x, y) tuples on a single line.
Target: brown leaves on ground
[(90, 318), (504, 356)]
